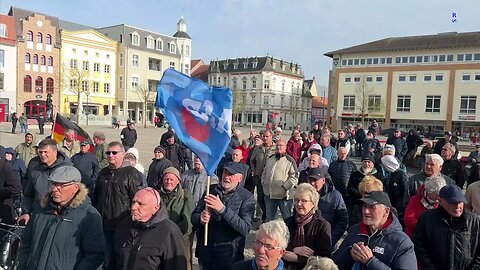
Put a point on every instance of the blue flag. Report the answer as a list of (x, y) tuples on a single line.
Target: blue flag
[(201, 115)]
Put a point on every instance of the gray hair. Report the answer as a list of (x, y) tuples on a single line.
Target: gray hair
[(450, 147), (323, 263), (310, 191), (70, 130), (436, 158), (99, 135), (277, 230), (433, 184)]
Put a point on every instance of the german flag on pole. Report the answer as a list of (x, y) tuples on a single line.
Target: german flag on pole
[(61, 124)]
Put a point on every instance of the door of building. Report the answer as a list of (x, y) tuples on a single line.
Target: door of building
[(2, 113)]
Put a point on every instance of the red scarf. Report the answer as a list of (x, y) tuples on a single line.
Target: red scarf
[(300, 221)]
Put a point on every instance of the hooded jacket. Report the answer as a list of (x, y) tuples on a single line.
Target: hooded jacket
[(179, 204), (17, 164), (155, 244), (304, 164), (334, 210), (10, 187), (391, 247), (26, 151), (71, 238), (443, 242), (37, 184)]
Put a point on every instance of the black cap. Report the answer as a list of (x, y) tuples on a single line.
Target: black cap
[(368, 157), (234, 167), (452, 194), (397, 129), (448, 133), (376, 197), (318, 173), (86, 142)]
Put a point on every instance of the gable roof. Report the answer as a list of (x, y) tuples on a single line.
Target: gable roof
[(20, 14), (319, 102)]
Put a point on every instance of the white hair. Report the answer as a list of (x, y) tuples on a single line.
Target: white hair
[(433, 184), (308, 189), (277, 230), (322, 263), (435, 158)]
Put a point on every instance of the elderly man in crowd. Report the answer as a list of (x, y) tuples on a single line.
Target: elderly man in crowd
[(100, 148), (451, 166), (340, 170), (228, 210), (313, 162), (88, 166), (27, 150), (400, 144), (279, 180), (69, 145), (269, 246), (447, 138), (147, 238), (67, 232), (329, 153), (155, 170), (378, 242), (448, 237)]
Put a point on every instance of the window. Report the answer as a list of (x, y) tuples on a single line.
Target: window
[(3, 30), (50, 61), (476, 57), (460, 57), (411, 59), (121, 59), (97, 55), (438, 77), (344, 62), (254, 83), (27, 58), (266, 100), (35, 59), (466, 77), (369, 61), (107, 56), (382, 61), (356, 62), (150, 43), (107, 69), (433, 104), (378, 79), (29, 36), (477, 77), (350, 62), (134, 83), (173, 47), (48, 39), (362, 61), (85, 53), (2, 59), (389, 60), (374, 103), (441, 58), (43, 60), (218, 81), (85, 65), (96, 85), (426, 58), (234, 83), (39, 85), (349, 103), (412, 78), (159, 44), (106, 88), (85, 86), (135, 39), (403, 103), (187, 50), (73, 85), (172, 65), (39, 37), (356, 79), (135, 60), (266, 84), (449, 57), (419, 59), (468, 57), (120, 82), (50, 85), (96, 67), (187, 69), (348, 79), (375, 61), (404, 59), (27, 84), (369, 79), (154, 64), (402, 78), (74, 51), (427, 78), (244, 83), (73, 63), (435, 58), (468, 104)]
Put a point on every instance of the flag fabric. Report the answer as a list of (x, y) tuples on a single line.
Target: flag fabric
[(61, 124), (275, 114), (201, 115)]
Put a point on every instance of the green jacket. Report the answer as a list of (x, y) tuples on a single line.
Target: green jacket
[(26, 152), (179, 204), (22, 120), (75, 148), (100, 154), (69, 239)]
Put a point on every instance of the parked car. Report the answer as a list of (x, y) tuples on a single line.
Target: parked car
[(388, 132), (432, 135)]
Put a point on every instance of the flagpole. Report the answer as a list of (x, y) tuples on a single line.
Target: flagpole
[(205, 236)]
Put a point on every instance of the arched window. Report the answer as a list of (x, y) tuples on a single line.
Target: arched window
[(27, 84), (27, 58), (48, 39), (29, 36), (39, 85), (35, 59), (50, 61), (43, 60), (50, 85), (39, 37)]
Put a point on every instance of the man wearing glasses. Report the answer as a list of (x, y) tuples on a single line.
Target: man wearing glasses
[(147, 238), (67, 232), (115, 188)]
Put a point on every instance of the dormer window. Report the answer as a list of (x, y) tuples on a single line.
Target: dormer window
[(225, 65), (135, 39), (159, 45), (173, 47), (245, 64), (235, 65), (274, 65), (254, 64), (150, 42)]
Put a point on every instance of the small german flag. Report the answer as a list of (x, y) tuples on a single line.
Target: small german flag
[(61, 124)]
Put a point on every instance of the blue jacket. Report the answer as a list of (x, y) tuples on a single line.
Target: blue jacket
[(330, 154), (400, 146), (89, 168), (227, 230), (392, 248), (333, 209)]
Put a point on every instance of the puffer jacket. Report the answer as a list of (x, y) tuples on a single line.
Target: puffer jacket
[(391, 247), (26, 152), (114, 193), (37, 184), (71, 238), (179, 204), (443, 242), (152, 245), (340, 171), (334, 210), (280, 177)]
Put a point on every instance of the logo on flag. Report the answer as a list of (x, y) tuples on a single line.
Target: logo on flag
[(201, 115)]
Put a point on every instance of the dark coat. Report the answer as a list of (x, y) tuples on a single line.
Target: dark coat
[(413, 141), (89, 168), (443, 242), (396, 186), (392, 248), (174, 153), (128, 136), (441, 142), (340, 171), (334, 210), (317, 237), (251, 265), (69, 239), (400, 146), (454, 169), (10, 187), (155, 171), (226, 231), (360, 136), (156, 244), (163, 139), (19, 166)]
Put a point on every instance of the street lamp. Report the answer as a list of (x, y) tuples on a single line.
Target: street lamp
[(253, 94)]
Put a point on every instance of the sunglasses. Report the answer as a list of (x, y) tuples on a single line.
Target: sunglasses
[(112, 153)]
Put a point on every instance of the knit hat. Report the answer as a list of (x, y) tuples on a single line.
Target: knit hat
[(389, 147), (160, 149), (369, 157), (65, 174), (173, 171), (135, 152), (390, 163)]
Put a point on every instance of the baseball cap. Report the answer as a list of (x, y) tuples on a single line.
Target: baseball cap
[(86, 142), (234, 167), (65, 174), (452, 194), (376, 197), (318, 173), (173, 171)]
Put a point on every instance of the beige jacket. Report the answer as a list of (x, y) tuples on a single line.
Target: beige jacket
[(279, 178), (26, 152), (69, 151)]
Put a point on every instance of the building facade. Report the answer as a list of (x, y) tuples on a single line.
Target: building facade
[(142, 56), (89, 68), (38, 61), (422, 82), (8, 76), (265, 89)]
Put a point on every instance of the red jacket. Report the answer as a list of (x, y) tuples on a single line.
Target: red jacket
[(412, 213), (294, 149), (245, 152)]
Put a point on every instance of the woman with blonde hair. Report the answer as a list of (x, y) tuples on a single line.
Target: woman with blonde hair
[(369, 183), (320, 263)]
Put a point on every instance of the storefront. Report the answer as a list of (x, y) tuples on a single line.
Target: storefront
[(423, 126), (467, 125), (33, 108)]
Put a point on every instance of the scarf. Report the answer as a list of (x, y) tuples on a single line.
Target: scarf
[(300, 221), (427, 203)]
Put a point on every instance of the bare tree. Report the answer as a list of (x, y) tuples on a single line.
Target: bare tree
[(147, 97), (76, 79), (366, 100), (239, 102)]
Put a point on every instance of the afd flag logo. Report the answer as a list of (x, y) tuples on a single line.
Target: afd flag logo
[(201, 115)]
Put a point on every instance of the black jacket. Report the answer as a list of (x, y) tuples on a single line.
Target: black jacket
[(163, 139), (440, 143), (114, 193), (174, 153), (334, 210), (454, 169), (443, 242), (371, 144), (89, 168), (128, 136), (360, 135), (413, 141), (156, 244), (400, 146), (340, 171), (10, 187), (19, 166), (155, 171), (396, 186)]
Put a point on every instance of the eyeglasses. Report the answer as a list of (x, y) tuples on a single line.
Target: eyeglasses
[(302, 202), (268, 247), (112, 153), (155, 193), (61, 185)]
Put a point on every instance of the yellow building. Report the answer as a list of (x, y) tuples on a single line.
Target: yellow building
[(88, 72)]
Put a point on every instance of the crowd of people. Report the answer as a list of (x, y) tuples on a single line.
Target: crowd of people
[(85, 209)]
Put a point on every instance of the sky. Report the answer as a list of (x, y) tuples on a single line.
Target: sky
[(300, 31)]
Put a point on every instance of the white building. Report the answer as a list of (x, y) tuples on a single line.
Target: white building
[(8, 74)]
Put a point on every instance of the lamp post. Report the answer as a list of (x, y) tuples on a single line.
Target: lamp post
[(253, 94), (87, 93)]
